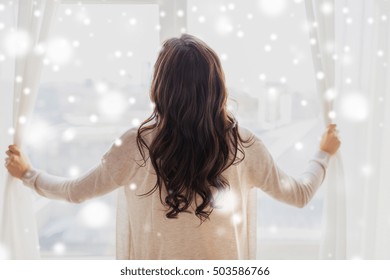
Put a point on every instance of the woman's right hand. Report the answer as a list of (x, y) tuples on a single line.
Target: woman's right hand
[(330, 141)]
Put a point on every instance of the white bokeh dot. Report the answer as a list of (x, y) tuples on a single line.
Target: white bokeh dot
[(68, 135), (95, 214), (71, 99), (236, 219), (118, 142), (320, 75), (298, 146), (93, 118), (74, 171), (332, 115), (59, 248), (68, 12), (22, 119), (327, 8), (262, 77), (354, 107), (273, 8)]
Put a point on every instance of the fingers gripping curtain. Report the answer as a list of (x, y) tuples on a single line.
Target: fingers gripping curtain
[(18, 232), (323, 47)]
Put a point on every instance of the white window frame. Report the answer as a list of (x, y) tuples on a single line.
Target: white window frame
[(171, 25)]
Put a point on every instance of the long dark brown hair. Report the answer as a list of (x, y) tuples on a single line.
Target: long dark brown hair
[(196, 137)]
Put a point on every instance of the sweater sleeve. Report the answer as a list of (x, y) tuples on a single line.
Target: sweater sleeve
[(263, 172), (116, 167)]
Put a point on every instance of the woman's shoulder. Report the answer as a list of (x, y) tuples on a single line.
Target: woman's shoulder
[(245, 132), (255, 143)]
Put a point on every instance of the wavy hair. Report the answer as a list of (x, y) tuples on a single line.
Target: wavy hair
[(196, 137)]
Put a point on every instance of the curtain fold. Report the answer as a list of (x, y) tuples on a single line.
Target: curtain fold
[(356, 226), (18, 232), (369, 133), (321, 20)]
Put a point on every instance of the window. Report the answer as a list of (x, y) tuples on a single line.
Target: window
[(95, 86), (265, 52)]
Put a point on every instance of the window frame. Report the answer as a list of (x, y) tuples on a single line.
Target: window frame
[(171, 24)]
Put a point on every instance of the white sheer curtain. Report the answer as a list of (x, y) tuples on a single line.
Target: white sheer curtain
[(18, 233), (321, 22), (364, 34), (351, 50)]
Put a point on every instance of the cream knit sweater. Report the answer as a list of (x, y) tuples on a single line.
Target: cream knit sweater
[(143, 231)]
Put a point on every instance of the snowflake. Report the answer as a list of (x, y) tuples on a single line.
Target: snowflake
[(71, 99), (59, 51), (354, 107), (68, 135), (180, 13), (59, 248), (223, 25), (17, 43), (332, 115), (273, 37), (135, 122), (236, 219), (231, 6), (68, 12), (330, 94), (273, 7), (74, 171), (327, 8), (11, 131), (112, 105), (320, 75), (298, 146), (22, 119), (366, 170), (118, 142), (95, 214), (93, 118), (240, 34)]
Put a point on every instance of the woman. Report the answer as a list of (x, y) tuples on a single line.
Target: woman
[(187, 172)]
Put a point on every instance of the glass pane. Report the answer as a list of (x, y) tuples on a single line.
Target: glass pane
[(94, 87), (265, 51)]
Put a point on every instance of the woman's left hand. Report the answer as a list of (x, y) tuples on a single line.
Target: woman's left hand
[(16, 163)]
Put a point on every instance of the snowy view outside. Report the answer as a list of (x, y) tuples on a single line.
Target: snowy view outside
[(95, 86)]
